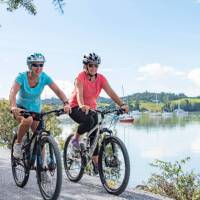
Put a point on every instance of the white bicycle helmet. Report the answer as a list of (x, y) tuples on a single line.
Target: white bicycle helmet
[(36, 57), (91, 58)]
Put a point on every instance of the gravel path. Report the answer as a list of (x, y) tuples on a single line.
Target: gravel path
[(89, 188)]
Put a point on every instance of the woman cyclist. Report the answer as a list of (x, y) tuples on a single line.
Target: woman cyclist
[(88, 85), (29, 86)]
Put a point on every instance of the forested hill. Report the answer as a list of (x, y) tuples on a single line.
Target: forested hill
[(144, 96), (153, 97), (149, 101)]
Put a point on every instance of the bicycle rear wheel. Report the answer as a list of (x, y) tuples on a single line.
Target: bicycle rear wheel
[(49, 168), (114, 165), (74, 163), (19, 169)]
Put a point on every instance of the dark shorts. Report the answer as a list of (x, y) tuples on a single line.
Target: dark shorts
[(19, 106), (86, 123)]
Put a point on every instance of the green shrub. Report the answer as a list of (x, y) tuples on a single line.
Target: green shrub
[(7, 123), (173, 182)]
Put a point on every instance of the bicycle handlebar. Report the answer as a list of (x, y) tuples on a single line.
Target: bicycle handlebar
[(59, 112), (27, 114), (116, 111)]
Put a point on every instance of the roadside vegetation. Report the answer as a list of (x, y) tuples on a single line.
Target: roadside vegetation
[(7, 123), (173, 181)]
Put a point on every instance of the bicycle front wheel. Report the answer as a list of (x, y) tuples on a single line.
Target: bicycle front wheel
[(49, 168), (114, 165), (20, 170), (74, 163)]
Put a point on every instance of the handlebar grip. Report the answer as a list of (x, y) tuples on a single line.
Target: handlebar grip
[(59, 112), (120, 111), (62, 110)]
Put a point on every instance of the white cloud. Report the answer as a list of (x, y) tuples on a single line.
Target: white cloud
[(65, 86), (198, 1), (194, 76), (156, 77), (156, 71)]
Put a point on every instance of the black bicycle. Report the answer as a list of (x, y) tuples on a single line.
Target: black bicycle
[(113, 161), (40, 153)]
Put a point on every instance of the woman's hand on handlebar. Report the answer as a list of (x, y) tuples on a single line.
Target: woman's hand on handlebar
[(124, 107), (85, 108), (16, 111), (67, 108)]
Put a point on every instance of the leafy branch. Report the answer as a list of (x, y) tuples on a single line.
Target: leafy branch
[(29, 6)]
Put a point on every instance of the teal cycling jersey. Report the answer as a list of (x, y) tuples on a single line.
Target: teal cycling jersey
[(30, 97)]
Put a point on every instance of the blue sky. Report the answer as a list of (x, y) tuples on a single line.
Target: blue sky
[(144, 45)]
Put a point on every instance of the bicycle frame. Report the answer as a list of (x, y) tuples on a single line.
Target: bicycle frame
[(33, 154), (89, 152), (113, 165), (36, 136), (40, 153)]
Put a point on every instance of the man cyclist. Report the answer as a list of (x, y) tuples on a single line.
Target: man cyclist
[(29, 86), (88, 85)]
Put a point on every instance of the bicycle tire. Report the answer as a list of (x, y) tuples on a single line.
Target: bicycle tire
[(66, 161), (114, 140), (14, 163), (56, 164)]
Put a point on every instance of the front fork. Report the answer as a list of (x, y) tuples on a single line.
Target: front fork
[(39, 151), (108, 135)]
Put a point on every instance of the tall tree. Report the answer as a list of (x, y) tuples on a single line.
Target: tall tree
[(29, 5)]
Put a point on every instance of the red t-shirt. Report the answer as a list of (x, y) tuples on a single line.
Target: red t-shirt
[(91, 90)]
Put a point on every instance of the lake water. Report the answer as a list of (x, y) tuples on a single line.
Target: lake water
[(154, 137)]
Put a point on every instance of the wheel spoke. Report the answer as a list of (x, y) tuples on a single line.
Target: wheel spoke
[(115, 166), (19, 169), (50, 171), (72, 162)]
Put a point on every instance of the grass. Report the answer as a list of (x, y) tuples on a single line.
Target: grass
[(151, 106)]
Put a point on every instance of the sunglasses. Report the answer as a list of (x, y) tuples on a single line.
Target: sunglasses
[(92, 65), (37, 65)]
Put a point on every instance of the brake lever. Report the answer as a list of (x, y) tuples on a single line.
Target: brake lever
[(59, 112)]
